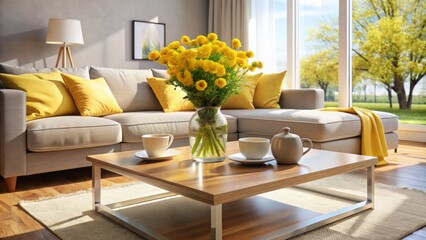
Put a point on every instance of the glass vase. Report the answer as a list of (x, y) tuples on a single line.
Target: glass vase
[(208, 134)]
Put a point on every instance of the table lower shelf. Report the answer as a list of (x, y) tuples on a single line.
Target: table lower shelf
[(182, 218)]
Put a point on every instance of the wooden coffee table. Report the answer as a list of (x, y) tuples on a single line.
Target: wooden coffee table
[(230, 189)]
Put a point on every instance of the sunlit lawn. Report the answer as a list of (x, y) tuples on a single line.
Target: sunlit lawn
[(416, 115)]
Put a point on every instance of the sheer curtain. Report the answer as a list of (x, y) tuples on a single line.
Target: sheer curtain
[(229, 19), (262, 36)]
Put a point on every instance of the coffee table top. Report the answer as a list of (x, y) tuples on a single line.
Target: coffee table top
[(222, 182)]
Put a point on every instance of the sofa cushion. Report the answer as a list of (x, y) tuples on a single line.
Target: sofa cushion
[(268, 90), (129, 87), (71, 132), (170, 97), (160, 73), (10, 69), (46, 94), (92, 97), (135, 124), (244, 98), (317, 125)]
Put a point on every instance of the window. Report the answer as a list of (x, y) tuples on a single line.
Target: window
[(388, 57), (267, 33), (318, 47), (388, 68)]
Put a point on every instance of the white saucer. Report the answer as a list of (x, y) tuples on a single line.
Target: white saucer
[(169, 154), (238, 157)]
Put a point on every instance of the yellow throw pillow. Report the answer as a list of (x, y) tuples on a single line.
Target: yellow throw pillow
[(244, 98), (268, 90), (171, 100), (92, 97), (46, 94)]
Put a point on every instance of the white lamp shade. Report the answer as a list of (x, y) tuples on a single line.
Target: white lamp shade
[(60, 31)]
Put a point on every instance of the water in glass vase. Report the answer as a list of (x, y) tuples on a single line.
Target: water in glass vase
[(208, 134)]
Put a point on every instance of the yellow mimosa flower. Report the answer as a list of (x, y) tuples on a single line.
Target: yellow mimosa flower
[(213, 68), (181, 49), (192, 63), (206, 65), (220, 82), (249, 54), (201, 85), (187, 78), (192, 43), (174, 45), (188, 54), (236, 43), (242, 62), (215, 48), (201, 40), (221, 71), (164, 51), (154, 55), (241, 54), (173, 58), (162, 60), (204, 51), (212, 37), (220, 44), (185, 39)]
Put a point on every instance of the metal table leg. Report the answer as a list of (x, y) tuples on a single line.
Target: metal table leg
[(216, 222), (96, 186)]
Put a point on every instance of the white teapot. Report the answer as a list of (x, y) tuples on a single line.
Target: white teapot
[(287, 148)]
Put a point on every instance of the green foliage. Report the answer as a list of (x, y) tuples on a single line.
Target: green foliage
[(416, 115), (320, 69), (389, 43)]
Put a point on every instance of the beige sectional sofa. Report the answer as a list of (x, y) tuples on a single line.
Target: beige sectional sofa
[(57, 143)]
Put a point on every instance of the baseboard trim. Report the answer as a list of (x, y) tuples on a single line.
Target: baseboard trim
[(412, 132)]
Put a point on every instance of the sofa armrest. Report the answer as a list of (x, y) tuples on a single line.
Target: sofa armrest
[(302, 98), (13, 148)]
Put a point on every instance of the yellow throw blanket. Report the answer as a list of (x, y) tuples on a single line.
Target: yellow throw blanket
[(373, 141)]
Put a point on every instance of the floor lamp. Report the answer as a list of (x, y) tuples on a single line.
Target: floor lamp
[(65, 32)]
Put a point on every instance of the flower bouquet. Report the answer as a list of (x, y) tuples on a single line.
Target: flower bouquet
[(209, 72)]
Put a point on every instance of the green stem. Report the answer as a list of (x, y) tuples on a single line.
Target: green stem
[(213, 141), (197, 142)]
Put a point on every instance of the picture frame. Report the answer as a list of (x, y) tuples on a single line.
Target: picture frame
[(147, 36)]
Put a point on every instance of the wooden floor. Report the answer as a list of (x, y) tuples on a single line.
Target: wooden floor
[(407, 168)]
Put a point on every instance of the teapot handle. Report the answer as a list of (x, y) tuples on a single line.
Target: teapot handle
[(310, 145)]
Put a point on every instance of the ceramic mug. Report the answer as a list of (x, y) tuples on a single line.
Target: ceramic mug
[(254, 147), (156, 144)]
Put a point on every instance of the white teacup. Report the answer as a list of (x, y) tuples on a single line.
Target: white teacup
[(254, 147), (156, 144)]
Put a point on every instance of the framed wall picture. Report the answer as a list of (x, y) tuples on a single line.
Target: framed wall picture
[(147, 36)]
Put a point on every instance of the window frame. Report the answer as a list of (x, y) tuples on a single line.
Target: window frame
[(345, 46)]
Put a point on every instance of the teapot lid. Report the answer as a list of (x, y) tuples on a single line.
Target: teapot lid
[(286, 130), (286, 134)]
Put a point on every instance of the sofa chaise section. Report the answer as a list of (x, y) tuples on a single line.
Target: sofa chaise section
[(328, 130)]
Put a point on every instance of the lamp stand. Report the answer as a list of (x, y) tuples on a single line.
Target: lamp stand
[(64, 50)]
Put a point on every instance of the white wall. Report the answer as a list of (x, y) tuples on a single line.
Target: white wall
[(107, 29)]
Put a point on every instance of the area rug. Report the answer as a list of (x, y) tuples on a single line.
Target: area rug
[(398, 212)]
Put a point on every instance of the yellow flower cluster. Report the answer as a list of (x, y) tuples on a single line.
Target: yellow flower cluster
[(205, 64)]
